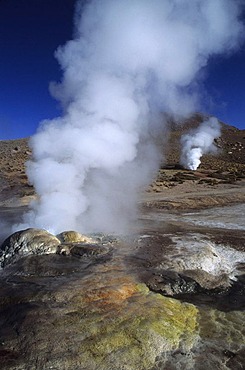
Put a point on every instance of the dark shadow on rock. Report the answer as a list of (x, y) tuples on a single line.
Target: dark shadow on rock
[(172, 284), (230, 299)]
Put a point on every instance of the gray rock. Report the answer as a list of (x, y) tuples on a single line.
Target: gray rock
[(171, 283), (26, 242), (75, 237), (83, 249), (209, 281)]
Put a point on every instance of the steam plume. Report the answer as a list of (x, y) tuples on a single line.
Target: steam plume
[(199, 142), (129, 60)]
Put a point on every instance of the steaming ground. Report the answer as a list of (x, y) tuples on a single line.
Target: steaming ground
[(101, 303), (199, 142), (128, 62)]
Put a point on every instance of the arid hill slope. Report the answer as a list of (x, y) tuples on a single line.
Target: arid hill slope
[(231, 146), (228, 165)]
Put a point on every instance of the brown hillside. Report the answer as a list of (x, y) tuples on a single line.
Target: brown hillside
[(231, 146), (228, 165)]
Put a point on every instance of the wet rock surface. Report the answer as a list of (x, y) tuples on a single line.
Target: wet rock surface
[(91, 317), (107, 305), (168, 296)]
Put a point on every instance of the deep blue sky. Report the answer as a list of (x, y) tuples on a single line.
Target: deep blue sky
[(30, 32)]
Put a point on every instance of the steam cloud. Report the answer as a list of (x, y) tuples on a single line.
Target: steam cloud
[(129, 61), (199, 142)]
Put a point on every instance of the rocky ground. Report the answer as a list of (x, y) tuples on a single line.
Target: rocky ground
[(168, 296)]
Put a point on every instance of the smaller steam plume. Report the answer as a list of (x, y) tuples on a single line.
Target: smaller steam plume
[(198, 142)]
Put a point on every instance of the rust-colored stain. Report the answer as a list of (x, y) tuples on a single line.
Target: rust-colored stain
[(113, 294)]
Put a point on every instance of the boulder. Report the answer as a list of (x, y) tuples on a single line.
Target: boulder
[(39, 242), (75, 237), (171, 283), (26, 242)]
